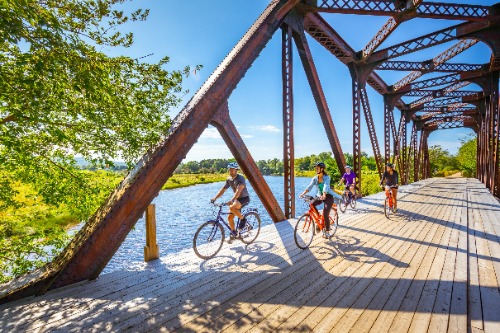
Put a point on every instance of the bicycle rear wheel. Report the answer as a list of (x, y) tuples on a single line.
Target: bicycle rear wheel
[(208, 239), (343, 203), (304, 231), (251, 229), (334, 222)]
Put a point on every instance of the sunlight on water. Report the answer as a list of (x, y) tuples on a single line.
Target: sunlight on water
[(179, 212)]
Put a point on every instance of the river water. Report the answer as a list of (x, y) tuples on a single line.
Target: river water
[(179, 212)]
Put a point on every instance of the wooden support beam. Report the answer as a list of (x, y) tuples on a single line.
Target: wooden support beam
[(151, 250)]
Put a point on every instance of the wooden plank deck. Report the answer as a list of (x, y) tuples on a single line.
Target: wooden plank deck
[(435, 267)]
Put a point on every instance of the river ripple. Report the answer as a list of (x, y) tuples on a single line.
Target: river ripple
[(179, 212)]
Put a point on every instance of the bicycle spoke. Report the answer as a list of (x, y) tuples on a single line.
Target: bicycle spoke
[(208, 240), (304, 231)]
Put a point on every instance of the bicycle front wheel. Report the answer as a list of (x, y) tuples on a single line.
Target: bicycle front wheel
[(208, 239), (334, 221), (304, 231), (386, 207), (251, 229), (353, 202)]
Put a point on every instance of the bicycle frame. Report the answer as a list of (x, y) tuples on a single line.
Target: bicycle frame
[(220, 220), (388, 195), (319, 219)]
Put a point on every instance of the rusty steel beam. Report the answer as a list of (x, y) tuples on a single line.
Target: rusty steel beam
[(438, 103), (380, 37), (403, 168), (426, 41), (434, 10), (222, 121), (414, 134), (288, 139), (429, 83), (371, 130), (95, 244), (319, 97), (391, 25), (436, 61), (426, 66), (326, 36), (426, 167), (388, 109), (398, 140), (445, 94), (356, 132), (447, 109), (495, 110)]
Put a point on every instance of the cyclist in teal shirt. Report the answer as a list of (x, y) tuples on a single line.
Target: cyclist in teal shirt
[(325, 194)]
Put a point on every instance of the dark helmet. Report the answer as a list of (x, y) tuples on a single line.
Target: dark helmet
[(390, 165), (320, 164)]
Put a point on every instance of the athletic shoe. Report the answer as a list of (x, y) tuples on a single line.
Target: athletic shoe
[(232, 236), (326, 235), (242, 223)]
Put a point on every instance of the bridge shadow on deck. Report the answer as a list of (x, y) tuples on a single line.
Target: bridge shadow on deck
[(271, 284)]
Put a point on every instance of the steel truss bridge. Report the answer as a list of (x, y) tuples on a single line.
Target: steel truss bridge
[(441, 104)]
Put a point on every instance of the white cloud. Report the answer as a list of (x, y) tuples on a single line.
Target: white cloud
[(267, 128), (246, 136), (210, 133), (201, 151)]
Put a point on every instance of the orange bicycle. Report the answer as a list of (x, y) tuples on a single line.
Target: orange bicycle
[(312, 222), (389, 202)]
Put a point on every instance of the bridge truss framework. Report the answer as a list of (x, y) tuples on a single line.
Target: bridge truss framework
[(444, 107)]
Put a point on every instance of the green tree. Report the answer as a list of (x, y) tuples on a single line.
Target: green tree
[(466, 156), (60, 97)]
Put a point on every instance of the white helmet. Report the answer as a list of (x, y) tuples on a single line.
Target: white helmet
[(233, 165)]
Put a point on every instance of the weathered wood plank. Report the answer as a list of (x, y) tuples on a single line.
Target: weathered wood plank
[(434, 267), (206, 321), (365, 321)]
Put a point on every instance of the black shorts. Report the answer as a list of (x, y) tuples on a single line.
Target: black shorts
[(244, 201)]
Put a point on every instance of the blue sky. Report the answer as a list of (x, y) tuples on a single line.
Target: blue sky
[(203, 32)]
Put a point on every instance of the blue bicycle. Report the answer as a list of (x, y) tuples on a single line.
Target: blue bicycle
[(210, 236)]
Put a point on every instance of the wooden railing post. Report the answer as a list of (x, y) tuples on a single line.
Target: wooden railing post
[(151, 250)]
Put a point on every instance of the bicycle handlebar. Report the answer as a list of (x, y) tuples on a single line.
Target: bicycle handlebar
[(307, 198), (219, 204)]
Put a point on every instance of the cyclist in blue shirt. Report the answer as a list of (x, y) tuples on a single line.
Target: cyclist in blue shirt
[(349, 178), (325, 193)]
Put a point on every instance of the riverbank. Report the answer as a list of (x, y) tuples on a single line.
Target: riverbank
[(185, 180)]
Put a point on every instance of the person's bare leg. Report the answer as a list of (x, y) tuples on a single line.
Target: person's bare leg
[(235, 210), (351, 188), (395, 196)]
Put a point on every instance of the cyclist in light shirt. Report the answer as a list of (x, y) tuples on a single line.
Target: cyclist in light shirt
[(325, 194)]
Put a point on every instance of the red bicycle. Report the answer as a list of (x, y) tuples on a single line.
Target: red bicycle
[(312, 222)]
